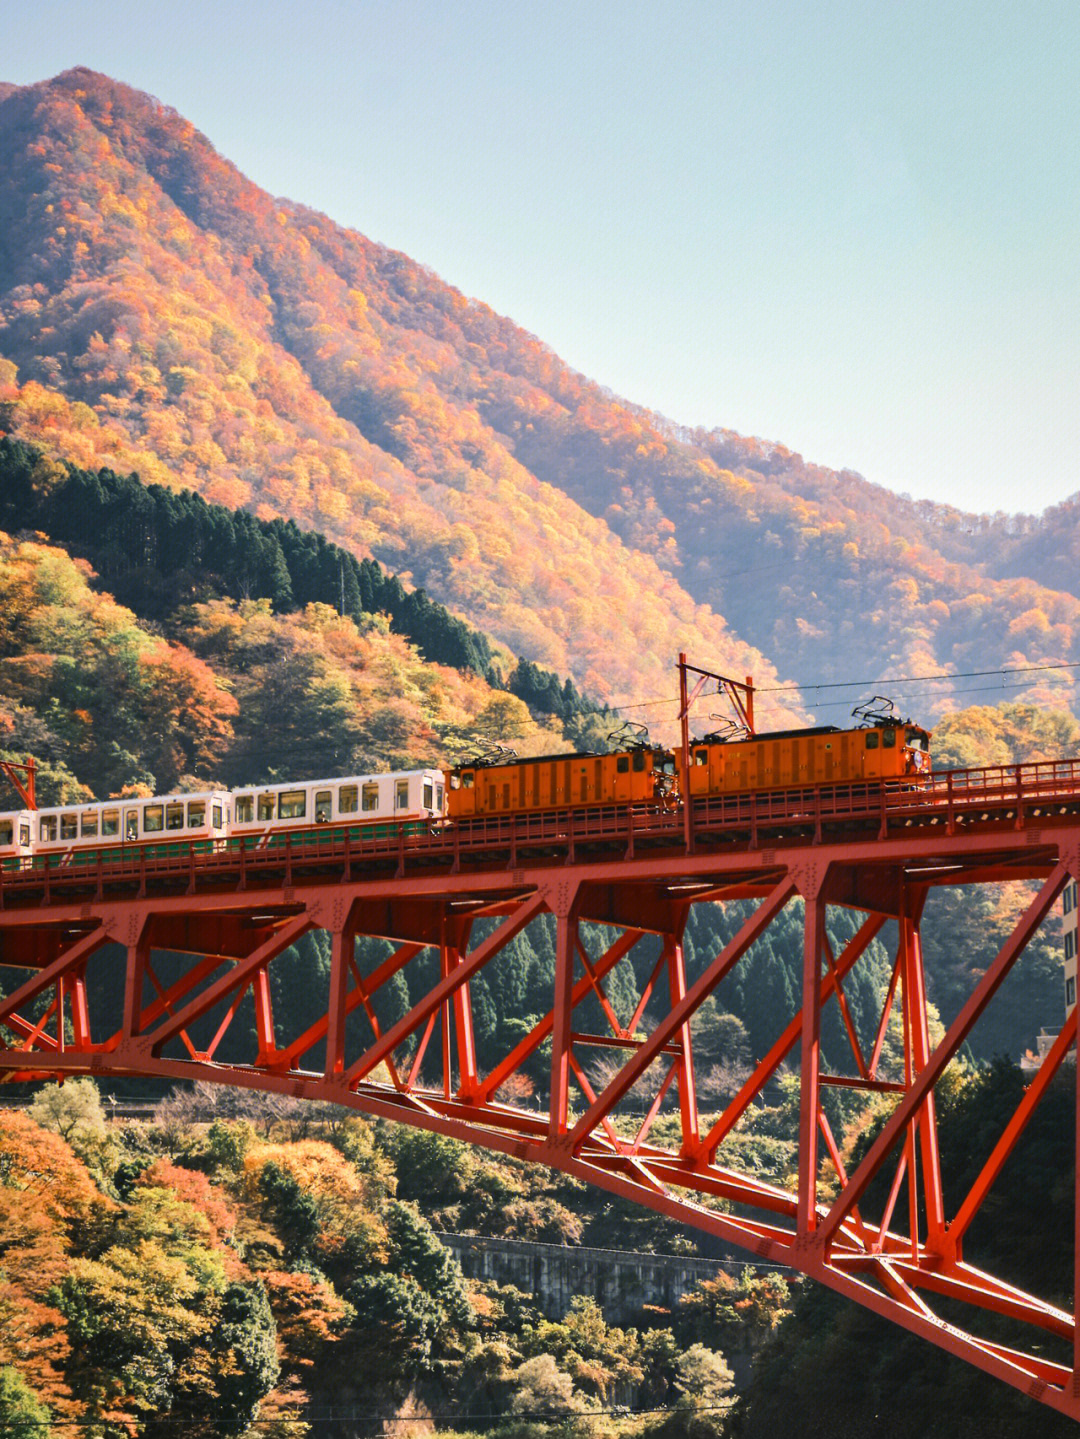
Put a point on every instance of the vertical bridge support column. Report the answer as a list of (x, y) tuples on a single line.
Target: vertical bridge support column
[(562, 904), (916, 1058), (342, 952), (688, 1109), (453, 941), (811, 883)]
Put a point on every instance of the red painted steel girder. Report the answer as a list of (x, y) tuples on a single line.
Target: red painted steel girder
[(226, 918)]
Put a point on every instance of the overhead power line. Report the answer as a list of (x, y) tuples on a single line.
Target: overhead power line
[(1001, 670)]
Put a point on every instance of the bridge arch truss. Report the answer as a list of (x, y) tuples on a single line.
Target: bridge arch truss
[(460, 896)]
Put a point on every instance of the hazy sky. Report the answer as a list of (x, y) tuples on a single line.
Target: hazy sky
[(849, 227)]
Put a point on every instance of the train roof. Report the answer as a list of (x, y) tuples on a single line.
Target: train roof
[(821, 729), (500, 761)]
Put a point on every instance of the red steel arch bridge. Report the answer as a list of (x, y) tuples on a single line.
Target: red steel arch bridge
[(463, 892)]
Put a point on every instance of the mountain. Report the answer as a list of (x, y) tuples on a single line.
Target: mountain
[(163, 314)]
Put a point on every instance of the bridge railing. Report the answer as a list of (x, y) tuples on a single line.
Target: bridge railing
[(1015, 792)]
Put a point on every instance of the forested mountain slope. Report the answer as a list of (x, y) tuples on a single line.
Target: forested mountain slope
[(166, 315)]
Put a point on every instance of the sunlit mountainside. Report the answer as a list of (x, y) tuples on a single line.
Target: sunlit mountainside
[(167, 316)]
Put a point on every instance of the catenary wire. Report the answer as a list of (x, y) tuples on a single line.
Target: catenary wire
[(1001, 670)]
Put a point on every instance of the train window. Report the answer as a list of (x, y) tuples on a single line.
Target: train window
[(90, 824), (48, 827), (24, 834), (196, 814), (888, 738), (69, 826), (245, 808), (217, 816), (7, 831), (701, 757), (324, 806), (468, 780), (154, 818), (266, 808), (292, 804), (639, 761), (622, 764), (871, 739), (174, 816), (429, 794), (916, 740), (401, 794), (110, 821), (131, 824), (348, 799), (371, 797)]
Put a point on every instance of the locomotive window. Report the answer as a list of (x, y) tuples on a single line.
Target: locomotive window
[(245, 809), (323, 806), (110, 821), (7, 831), (131, 824), (153, 818), (90, 824), (266, 807), (888, 738), (916, 740), (48, 827), (371, 796), (24, 834), (639, 761), (292, 804), (69, 826), (871, 739), (174, 816), (429, 794), (701, 757), (348, 799), (401, 794), (622, 764), (216, 815), (468, 780), (196, 814)]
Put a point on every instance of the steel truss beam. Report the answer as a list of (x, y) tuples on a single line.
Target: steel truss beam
[(205, 1013)]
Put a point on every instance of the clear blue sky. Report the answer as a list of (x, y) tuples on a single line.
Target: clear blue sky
[(849, 227)]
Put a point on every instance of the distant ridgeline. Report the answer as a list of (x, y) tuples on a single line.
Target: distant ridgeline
[(155, 549)]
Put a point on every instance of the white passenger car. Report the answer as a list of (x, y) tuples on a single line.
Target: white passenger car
[(354, 800), (76, 828)]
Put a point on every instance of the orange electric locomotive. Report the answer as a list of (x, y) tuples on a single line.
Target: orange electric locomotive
[(733, 760)]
